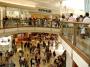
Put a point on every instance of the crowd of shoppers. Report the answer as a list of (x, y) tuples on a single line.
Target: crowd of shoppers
[(5, 59), (40, 53)]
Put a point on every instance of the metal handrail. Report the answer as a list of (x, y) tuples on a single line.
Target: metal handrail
[(74, 22), (25, 23)]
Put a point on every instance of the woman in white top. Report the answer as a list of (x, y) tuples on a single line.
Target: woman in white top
[(71, 19)]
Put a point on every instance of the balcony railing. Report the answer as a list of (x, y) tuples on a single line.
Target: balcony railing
[(15, 23), (77, 33)]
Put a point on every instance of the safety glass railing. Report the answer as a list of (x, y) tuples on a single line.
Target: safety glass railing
[(78, 34), (67, 31), (83, 37), (12, 23), (9, 23)]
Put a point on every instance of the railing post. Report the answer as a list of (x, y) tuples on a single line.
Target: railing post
[(61, 29), (51, 24), (74, 34)]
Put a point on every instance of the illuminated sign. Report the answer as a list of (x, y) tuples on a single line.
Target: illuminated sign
[(45, 10)]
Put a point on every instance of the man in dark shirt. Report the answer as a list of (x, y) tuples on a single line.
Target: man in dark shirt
[(4, 21)]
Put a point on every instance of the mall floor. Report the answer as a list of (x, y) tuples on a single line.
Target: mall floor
[(15, 57)]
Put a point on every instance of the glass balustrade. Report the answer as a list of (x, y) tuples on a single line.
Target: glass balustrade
[(14, 23), (83, 38), (78, 34), (68, 29)]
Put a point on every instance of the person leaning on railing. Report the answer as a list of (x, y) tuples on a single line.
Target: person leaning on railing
[(63, 18), (83, 29), (80, 18), (71, 19), (4, 21)]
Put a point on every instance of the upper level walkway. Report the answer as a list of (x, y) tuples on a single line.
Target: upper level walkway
[(11, 31), (19, 26)]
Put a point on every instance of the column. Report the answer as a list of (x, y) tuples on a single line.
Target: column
[(87, 5), (1, 17)]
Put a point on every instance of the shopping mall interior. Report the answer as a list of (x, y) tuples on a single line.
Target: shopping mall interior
[(44, 33)]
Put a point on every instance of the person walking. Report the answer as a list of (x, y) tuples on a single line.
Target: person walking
[(54, 53), (32, 61)]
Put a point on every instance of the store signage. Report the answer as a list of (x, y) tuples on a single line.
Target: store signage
[(5, 40), (45, 10)]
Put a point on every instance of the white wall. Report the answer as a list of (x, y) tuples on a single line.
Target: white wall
[(69, 61), (80, 62), (71, 53)]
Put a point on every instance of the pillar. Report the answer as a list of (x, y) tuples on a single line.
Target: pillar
[(87, 5), (1, 17)]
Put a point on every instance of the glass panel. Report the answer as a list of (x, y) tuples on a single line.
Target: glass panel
[(68, 29), (12, 17), (83, 38), (24, 22), (78, 33), (10, 23)]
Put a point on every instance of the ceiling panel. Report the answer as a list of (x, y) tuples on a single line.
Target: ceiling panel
[(32, 4), (50, 4)]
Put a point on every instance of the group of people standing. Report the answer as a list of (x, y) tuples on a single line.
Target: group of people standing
[(82, 28)]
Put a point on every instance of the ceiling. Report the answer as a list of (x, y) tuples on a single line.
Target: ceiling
[(33, 4), (51, 4), (37, 3), (46, 1)]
